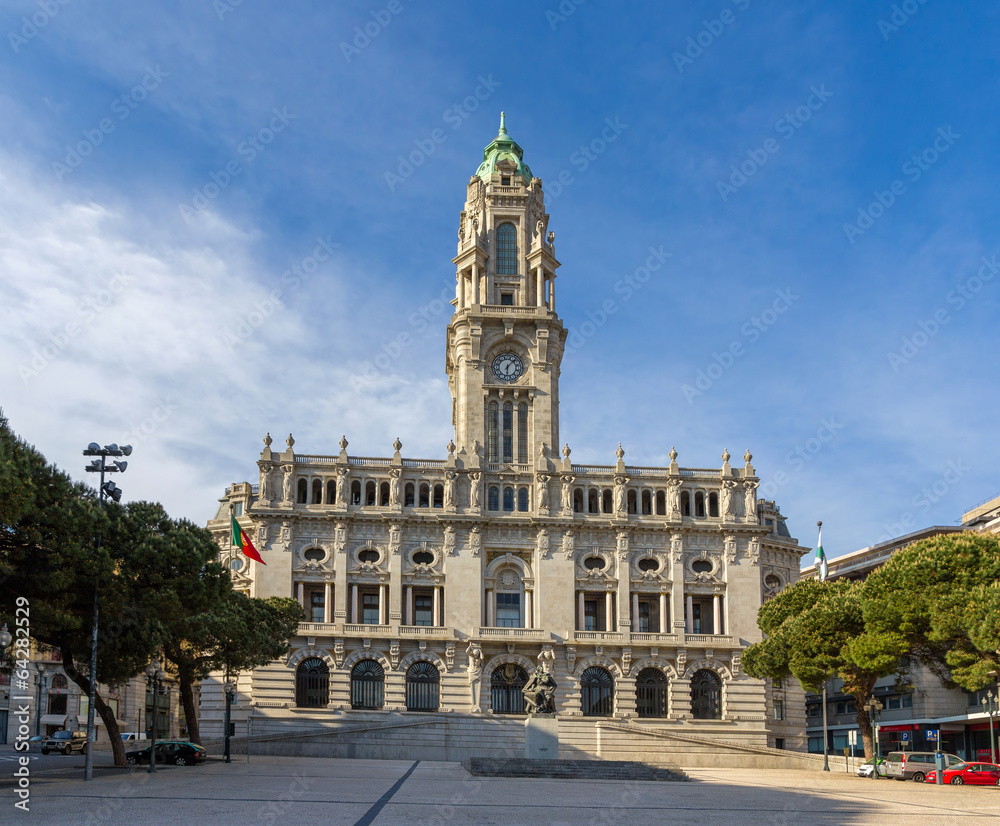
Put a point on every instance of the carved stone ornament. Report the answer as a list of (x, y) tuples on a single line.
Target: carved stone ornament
[(475, 489), (395, 538), (674, 497), (449, 541), (338, 652), (286, 484), (568, 544), (677, 547), (449, 655), (750, 502), (734, 663), (570, 651), (730, 546), (754, 551), (394, 654), (475, 541), (395, 484), (682, 656), (626, 660), (542, 543)]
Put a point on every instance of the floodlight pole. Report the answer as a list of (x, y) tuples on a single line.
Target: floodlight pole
[(826, 747), (99, 466)]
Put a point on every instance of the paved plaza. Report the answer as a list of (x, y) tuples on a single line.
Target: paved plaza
[(304, 790)]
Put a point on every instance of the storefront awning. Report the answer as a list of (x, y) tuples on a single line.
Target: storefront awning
[(910, 727), (53, 720)]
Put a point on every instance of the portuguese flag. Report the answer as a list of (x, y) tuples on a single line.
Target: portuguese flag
[(242, 541)]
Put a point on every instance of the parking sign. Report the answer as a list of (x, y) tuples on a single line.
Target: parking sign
[(904, 737), (932, 735)]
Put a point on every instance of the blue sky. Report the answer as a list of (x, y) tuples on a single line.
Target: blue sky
[(822, 176)]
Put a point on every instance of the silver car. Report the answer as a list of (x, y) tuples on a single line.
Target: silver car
[(914, 765)]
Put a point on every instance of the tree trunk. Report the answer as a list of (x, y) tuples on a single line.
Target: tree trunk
[(186, 680), (866, 729), (100, 707)]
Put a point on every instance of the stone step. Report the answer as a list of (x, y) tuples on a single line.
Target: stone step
[(571, 769)]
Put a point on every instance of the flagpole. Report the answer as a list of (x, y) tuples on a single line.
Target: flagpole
[(822, 578)]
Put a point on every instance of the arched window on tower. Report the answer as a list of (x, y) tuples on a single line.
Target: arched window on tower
[(713, 504), (647, 502), (317, 492), (408, 495), (303, 491), (597, 691), (685, 503), (699, 504), (422, 683), (522, 500), (508, 499), (312, 684), (370, 492), (661, 503), (356, 492), (577, 500), (367, 685), (425, 495), (383, 493), (331, 492), (506, 249), (706, 695), (508, 432), (493, 498), (439, 496), (522, 433), (493, 432), (651, 689)]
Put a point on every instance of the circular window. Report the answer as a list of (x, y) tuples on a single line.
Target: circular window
[(314, 554), (594, 563), (701, 566), (236, 564), (368, 555), (772, 581), (649, 564), (423, 558)]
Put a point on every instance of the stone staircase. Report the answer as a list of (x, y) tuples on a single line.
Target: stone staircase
[(571, 769)]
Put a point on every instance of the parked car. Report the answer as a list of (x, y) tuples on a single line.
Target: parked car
[(914, 765), (65, 742), (178, 752), (865, 769), (975, 774)]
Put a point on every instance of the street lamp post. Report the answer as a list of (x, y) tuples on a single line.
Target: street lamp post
[(109, 488), (154, 678), (874, 709), (991, 705), (5, 640), (230, 689), (38, 703), (826, 736)]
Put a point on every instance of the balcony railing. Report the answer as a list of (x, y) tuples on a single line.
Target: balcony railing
[(365, 630), (709, 639), (514, 633), (642, 636), (306, 628), (599, 636), (424, 631)]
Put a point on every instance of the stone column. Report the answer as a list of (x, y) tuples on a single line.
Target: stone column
[(354, 604), (689, 617), (436, 612), (664, 628), (716, 614), (528, 618), (300, 595), (552, 293), (635, 611), (609, 616), (328, 603), (489, 607), (409, 605), (540, 287), (460, 293), (581, 619), (475, 284), (383, 606)]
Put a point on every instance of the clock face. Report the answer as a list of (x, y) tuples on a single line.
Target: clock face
[(507, 367)]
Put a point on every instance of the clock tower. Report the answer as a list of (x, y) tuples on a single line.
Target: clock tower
[(505, 341)]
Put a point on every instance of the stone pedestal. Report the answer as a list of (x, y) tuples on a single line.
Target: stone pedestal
[(541, 737)]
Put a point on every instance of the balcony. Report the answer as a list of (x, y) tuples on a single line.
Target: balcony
[(513, 633), (308, 629), (365, 630), (599, 636), (670, 639), (425, 631), (712, 640)]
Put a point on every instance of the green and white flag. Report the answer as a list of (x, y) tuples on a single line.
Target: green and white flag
[(821, 565)]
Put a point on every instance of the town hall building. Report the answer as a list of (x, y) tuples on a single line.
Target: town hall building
[(434, 588)]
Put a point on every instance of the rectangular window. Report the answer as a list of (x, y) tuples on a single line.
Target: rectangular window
[(508, 610), (507, 299), (779, 710), (317, 606), (508, 432), (813, 710), (369, 609), (423, 609), (522, 434), (907, 701), (238, 509), (649, 616), (593, 618), (893, 701)]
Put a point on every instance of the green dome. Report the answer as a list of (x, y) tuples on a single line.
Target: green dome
[(503, 148)]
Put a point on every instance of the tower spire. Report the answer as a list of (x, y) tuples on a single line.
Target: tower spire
[(503, 125)]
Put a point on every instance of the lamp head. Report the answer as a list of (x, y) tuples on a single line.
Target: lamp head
[(93, 449), (5, 637), (126, 450)]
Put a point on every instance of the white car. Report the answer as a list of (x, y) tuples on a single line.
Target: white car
[(865, 769)]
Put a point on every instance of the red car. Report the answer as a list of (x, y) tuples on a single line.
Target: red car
[(975, 774)]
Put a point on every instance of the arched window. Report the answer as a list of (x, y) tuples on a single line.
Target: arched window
[(522, 500), (493, 432), (317, 492), (597, 689), (303, 491), (408, 495), (508, 499), (493, 499), (577, 501), (706, 695), (506, 249), (508, 432), (422, 683), (647, 503), (713, 504), (685, 503), (699, 504), (439, 496), (312, 684), (425, 495), (606, 506), (331, 492), (651, 693), (630, 501), (522, 433), (661, 503), (508, 593), (367, 685), (383, 493), (593, 503), (506, 686), (356, 492), (58, 694), (369, 492)]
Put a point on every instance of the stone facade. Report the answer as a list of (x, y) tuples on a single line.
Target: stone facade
[(445, 582)]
